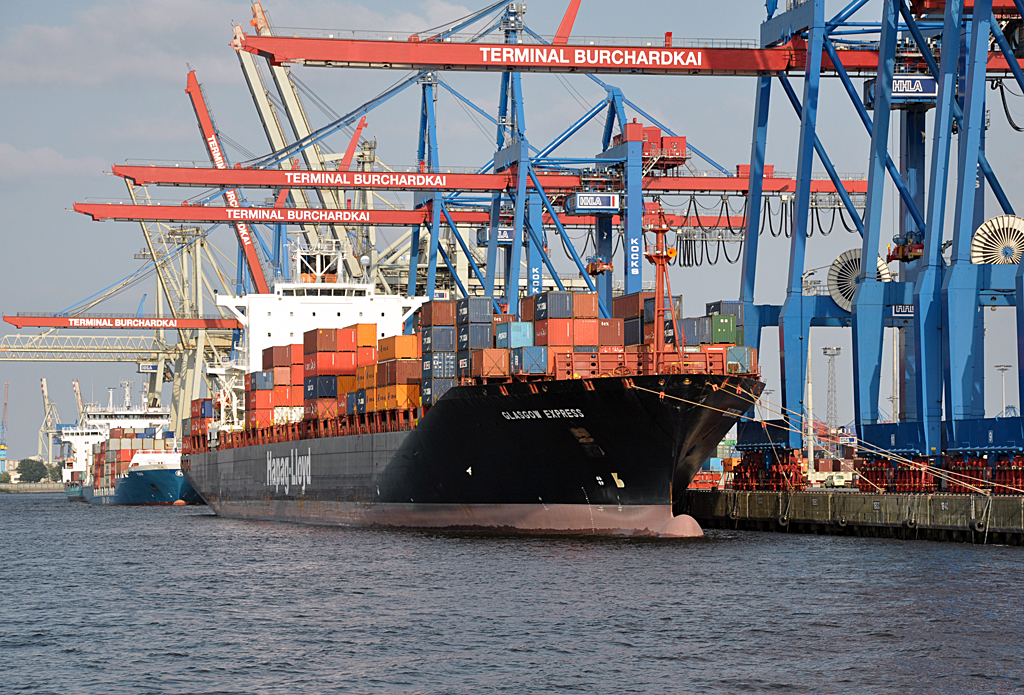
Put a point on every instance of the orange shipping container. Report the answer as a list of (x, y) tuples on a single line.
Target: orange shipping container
[(401, 396), (346, 384), (366, 334), (297, 354), (553, 332), (371, 400), (584, 306), (298, 374), (490, 363), (397, 347)]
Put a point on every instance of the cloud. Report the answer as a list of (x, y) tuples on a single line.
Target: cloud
[(125, 41), (17, 165)]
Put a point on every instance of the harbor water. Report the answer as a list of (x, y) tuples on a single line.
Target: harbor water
[(176, 600)]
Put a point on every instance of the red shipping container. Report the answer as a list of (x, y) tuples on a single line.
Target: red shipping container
[(297, 354), (554, 332), (395, 372), (258, 419), (320, 409), (124, 455), (490, 363), (298, 374), (346, 340), (630, 306), (526, 312), (247, 382), (285, 396), (320, 340), (330, 364), (500, 319), (283, 376), (261, 400), (610, 332), (248, 400), (365, 356), (585, 306), (585, 331), (279, 356), (438, 314)]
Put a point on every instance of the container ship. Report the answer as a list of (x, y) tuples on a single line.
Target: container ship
[(140, 466), (453, 415)]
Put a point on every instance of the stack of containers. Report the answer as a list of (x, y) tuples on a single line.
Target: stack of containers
[(438, 346), (361, 397), (259, 401), (650, 317), (579, 344), (323, 363), (201, 412), (288, 382), (399, 372), (474, 319)]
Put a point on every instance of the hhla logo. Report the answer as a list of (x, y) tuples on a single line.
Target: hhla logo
[(291, 470)]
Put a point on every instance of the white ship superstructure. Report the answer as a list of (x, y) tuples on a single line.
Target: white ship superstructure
[(95, 423)]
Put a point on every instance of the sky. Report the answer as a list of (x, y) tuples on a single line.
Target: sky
[(88, 84)]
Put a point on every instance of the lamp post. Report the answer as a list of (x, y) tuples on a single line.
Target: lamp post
[(1003, 368)]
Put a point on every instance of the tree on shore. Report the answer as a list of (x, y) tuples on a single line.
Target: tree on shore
[(5, 478), (55, 472), (31, 470)]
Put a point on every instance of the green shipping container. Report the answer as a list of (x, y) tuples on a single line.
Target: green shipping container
[(723, 328), (739, 335)]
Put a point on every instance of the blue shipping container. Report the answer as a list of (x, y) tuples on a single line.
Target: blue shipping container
[(474, 310), (552, 305), (514, 335), (361, 401), (691, 331), (439, 365), (319, 387), (529, 360), (438, 339), (350, 403), (151, 431), (475, 336), (432, 389), (633, 331), (261, 381), (168, 434)]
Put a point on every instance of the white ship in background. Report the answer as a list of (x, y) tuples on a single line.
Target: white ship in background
[(94, 425)]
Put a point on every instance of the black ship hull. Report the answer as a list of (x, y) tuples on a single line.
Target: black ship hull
[(607, 455)]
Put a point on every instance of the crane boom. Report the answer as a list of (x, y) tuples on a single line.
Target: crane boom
[(216, 153), (139, 322)]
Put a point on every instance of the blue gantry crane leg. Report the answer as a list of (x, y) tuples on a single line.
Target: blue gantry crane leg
[(869, 297)]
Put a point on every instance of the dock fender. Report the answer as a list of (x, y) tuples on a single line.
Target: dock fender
[(909, 523), (783, 520), (841, 522), (976, 525), (734, 515)]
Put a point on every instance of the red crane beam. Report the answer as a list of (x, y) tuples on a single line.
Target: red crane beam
[(552, 183), (215, 151), (383, 218), (137, 322), (647, 60)]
